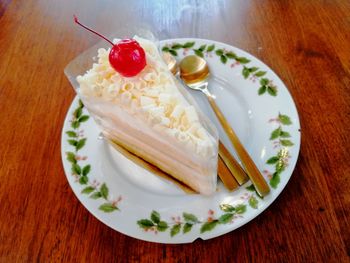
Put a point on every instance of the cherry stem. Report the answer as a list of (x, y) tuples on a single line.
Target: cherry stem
[(87, 28)]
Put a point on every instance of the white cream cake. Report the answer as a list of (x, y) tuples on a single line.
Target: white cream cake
[(149, 115)]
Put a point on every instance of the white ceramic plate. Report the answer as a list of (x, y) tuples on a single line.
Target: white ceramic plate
[(137, 203)]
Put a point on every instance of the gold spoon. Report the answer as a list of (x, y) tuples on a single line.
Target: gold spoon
[(194, 71), (232, 165), (234, 168)]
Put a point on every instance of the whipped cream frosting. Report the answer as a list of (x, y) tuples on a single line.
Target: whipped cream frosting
[(152, 94)]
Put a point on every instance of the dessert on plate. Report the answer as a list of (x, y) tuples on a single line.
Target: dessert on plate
[(140, 106)]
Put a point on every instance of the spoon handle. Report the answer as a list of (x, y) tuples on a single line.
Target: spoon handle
[(254, 174), (226, 177), (233, 166)]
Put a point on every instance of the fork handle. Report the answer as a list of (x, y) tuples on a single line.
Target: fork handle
[(253, 172)]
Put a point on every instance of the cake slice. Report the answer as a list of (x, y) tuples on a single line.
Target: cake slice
[(152, 115)]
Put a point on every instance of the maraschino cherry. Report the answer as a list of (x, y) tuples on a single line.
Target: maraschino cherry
[(126, 56)]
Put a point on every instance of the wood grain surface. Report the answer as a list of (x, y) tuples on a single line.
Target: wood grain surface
[(307, 43)]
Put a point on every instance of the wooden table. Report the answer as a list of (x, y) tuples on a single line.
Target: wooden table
[(307, 43)]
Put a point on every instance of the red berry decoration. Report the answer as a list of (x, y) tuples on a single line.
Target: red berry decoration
[(127, 57)]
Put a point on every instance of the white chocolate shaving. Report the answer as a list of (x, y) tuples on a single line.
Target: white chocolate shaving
[(146, 101)]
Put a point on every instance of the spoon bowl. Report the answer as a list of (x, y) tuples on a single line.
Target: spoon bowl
[(194, 71)]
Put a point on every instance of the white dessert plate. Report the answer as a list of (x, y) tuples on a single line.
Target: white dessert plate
[(139, 204)]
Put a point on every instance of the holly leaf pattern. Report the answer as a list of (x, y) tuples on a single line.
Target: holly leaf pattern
[(76, 169), (225, 218), (81, 172), (78, 112), (190, 218), (83, 179), (96, 195), (80, 144), (219, 52), (223, 59), (284, 119), (176, 46), (231, 55), (245, 72), (210, 48), (88, 190), (253, 202), (188, 44), (175, 230), (272, 90), (75, 124), (187, 228), (275, 180), (71, 157), (273, 160), (242, 60), (71, 134), (104, 191), (208, 226), (240, 209), (262, 90), (73, 142), (154, 221), (145, 223), (155, 217), (198, 52), (285, 134), (108, 208), (86, 169), (276, 133), (264, 82), (162, 226), (286, 143), (83, 118), (202, 48), (260, 73), (281, 138), (173, 52)]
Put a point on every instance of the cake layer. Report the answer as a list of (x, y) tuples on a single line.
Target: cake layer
[(155, 147), (149, 167)]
